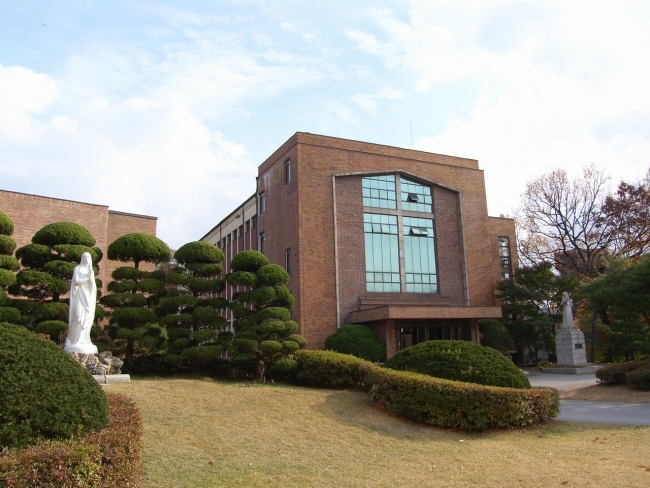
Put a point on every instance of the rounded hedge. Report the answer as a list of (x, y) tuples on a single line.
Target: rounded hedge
[(199, 252), (248, 261), (460, 361), (138, 247), (9, 262), (358, 340), (6, 224), (7, 278), (63, 233), (7, 245), (272, 274), (45, 393)]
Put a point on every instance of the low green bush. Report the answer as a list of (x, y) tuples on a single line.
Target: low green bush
[(328, 369), (460, 361), (459, 405), (639, 379), (44, 393), (107, 459), (615, 374), (358, 340)]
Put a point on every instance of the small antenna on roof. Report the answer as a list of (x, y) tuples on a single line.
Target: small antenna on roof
[(411, 124)]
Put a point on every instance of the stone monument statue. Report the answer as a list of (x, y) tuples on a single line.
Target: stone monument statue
[(569, 341), (83, 296), (567, 311)]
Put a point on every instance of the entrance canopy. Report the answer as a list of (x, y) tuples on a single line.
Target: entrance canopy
[(397, 312)]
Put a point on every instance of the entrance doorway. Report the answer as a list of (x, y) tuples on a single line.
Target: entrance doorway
[(412, 332)]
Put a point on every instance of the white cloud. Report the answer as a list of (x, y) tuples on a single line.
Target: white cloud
[(558, 84), (23, 94)]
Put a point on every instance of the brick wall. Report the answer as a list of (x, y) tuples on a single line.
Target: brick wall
[(31, 213), (282, 222)]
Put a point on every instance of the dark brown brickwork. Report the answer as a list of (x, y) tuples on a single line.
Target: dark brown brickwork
[(31, 213), (448, 242)]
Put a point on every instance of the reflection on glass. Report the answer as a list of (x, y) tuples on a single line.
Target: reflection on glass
[(382, 256), (419, 256), (415, 196)]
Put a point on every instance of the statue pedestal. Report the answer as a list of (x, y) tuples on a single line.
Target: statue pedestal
[(81, 348), (570, 347)]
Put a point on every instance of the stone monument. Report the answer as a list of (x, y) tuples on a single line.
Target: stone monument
[(570, 341)]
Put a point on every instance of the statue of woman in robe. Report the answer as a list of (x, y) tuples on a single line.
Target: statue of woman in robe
[(567, 313), (83, 296)]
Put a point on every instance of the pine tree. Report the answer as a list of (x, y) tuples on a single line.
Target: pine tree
[(134, 293), (8, 263), (263, 325), (190, 314), (47, 266)]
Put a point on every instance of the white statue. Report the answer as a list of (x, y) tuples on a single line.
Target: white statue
[(567, 313), (83, 295)]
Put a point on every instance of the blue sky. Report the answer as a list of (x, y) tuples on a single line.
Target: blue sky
[(167, 108)]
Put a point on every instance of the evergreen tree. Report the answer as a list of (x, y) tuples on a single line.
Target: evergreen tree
[(188, 311), (134, 293), (263, 325), (8, 263), (47, 266), (530, 305)]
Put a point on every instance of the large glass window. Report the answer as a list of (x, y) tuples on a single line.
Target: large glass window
[(382, 253), (415, 196), (419, 256), (379, 191)]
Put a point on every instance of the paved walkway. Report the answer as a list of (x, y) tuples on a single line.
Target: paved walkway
[(585, 411)]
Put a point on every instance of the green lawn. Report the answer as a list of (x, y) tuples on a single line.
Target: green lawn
[(204, 433)]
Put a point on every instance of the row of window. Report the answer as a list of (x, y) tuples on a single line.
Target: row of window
[(382, 254), (239, 232), (381, 192), (287, 180)]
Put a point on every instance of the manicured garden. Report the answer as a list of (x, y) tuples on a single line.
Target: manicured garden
[(203, 432)]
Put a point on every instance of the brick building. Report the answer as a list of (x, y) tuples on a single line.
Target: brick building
[(31, 213), (392, 238)]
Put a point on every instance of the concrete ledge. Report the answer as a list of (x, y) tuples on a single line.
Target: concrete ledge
[(112, 379), (590, 368)]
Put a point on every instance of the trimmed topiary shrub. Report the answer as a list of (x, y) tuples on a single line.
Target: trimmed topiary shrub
[(639, 379), (108, 459), (358, 340), (495, 335), (460, 361), (44, 392), (6, 224), (328, 369), (63, 233), (615, 374), (460, 405)]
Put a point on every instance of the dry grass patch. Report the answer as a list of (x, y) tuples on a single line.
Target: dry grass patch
[(211, 433), (607, 393)]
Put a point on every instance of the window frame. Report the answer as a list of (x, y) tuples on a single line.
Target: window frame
[(287, 260), (287, 172)]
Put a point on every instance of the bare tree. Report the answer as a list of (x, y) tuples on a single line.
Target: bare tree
[(559, 221), (626, 216)]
